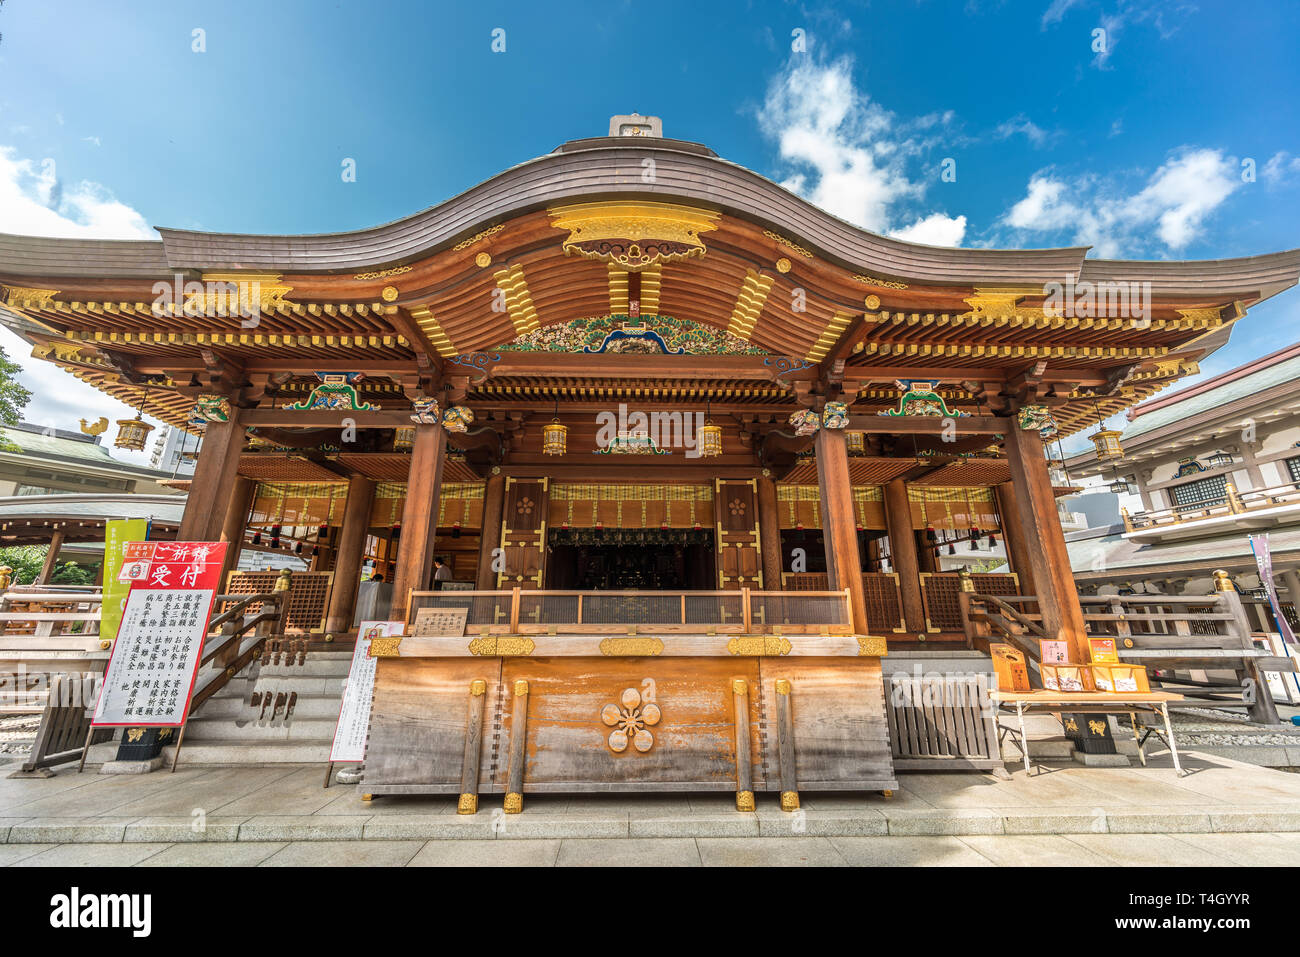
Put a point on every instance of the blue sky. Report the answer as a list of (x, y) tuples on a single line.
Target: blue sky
[(1170, 134)]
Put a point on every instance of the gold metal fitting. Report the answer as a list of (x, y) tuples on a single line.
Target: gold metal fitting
[(367, 797), (1222, 582), (789, 800), (477, 687), (740, 686), (782, 685), (744, 800), (468, 804), (514, 802), (521, 688)]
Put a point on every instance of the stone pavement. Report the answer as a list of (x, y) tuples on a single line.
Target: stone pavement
[(1222, 813)]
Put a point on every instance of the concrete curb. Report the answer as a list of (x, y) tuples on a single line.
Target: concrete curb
[(487, 825)]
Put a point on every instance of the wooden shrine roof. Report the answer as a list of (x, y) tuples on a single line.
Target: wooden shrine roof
[(497, 292)]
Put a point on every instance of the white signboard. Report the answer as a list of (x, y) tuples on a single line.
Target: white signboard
[(155, 659), (354, 712)]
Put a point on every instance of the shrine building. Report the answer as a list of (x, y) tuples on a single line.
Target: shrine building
[(642, 400)]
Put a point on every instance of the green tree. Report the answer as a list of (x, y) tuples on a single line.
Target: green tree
[(14, 396), (25, 560)]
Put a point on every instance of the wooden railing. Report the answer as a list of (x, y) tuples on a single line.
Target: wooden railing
[(1233, 503), (880, 593), (539, 612), (940, 591), (46, 630)]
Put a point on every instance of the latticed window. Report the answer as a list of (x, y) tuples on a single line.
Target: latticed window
[(1293, 466), (1206, 491)]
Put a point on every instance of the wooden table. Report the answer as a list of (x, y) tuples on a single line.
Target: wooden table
[(1094, 702)]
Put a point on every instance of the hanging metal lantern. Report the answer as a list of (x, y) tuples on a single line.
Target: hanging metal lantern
[(1106, 441), (709, 435), (1121, 486), (1107, 444), (132, 434), (857, 441), (710, 440), (404, 439), (555, 438), (1219, 460)]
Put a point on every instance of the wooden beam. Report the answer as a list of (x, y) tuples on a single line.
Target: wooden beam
[(930, 425)]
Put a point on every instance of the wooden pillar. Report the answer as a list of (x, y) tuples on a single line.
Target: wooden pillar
[(232, 529), (1292, 582), (839, 523), (494, 498), (51, 556), (1013, 540), (1038, 523), (214, 480), (769, 533), (419, 517), (902, 548), (347, 559)]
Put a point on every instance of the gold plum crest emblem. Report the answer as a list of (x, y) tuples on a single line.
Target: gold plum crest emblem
[(631, 722)]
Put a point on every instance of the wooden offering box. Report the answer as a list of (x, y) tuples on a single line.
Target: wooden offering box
[(1067, 677), (643, 709), (1120, 678)]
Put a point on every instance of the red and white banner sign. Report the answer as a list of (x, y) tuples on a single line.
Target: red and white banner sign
[(151, 672)]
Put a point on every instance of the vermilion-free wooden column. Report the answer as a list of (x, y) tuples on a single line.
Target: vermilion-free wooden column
[(494, 499), (769, 533), (1039, 523), (839, 524), (349, 552), (902, 551), (419, 517), (1016, 547), (214, 480), (51, 556), (232, 529)]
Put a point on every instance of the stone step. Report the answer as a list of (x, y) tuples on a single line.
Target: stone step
[(219, 707), (237, 752), (298, 729), (242, 687), (312, 667)]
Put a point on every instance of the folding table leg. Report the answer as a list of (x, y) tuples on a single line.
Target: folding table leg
[(1024, 738), (1133, 719), (1169, 730)]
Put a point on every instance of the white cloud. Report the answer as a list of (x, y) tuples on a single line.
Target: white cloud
[(1056, 11), (1172, 207), (934, 230), (1021, 124), (1279, 169), (844, 152), (34, 203)]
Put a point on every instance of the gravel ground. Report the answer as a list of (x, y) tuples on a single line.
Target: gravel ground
[(17, 732)]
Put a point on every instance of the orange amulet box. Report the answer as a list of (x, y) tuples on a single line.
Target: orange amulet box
[(1010, 668)]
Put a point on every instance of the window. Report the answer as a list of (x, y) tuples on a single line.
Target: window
[(1202, 492), (1293, 466)]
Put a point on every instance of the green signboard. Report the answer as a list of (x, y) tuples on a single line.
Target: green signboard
[(116, 535)]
